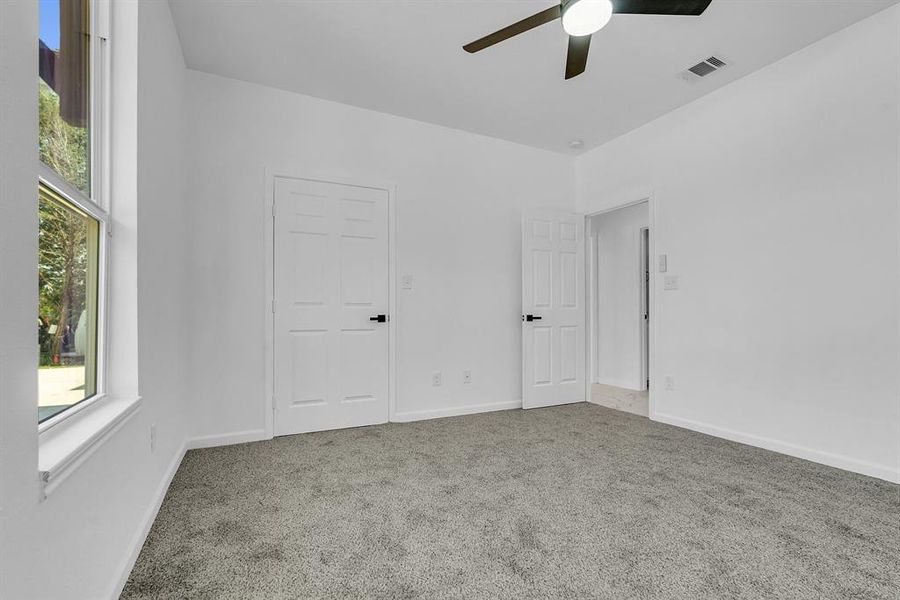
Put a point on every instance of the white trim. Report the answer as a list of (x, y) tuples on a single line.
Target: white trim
[(645, 197), (69, 412), (437, 413), (228, 439), (653, 322), (69, 192), (66, 447), (101, 19), (99, 76), (590, 297), (839, 461), (644, 262), (394, 294), (269, 250), (140, 536), (269, 320)]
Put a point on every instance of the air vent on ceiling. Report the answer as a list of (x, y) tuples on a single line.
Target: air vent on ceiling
[(704, 68)]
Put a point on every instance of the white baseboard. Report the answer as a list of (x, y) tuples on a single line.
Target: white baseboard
[(227, 439), (839, 461), (421, 415), (138, 541)]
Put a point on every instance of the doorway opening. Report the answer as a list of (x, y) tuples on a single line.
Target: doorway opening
[(619, 307)]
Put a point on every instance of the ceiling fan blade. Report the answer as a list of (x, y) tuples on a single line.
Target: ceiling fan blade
[(545, 16), (693, 8), (578, 54)]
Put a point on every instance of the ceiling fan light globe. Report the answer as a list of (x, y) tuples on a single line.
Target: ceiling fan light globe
[(584, 17)]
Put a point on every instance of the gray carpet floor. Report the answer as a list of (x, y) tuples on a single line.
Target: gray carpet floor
[(568, 502)]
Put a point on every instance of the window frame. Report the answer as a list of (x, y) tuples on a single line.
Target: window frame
[(96, 203)]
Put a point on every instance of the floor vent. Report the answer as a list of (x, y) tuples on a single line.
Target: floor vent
[(704, 68)]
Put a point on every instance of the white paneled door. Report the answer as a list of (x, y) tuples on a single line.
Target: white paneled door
[(553, 312), (331, 306)]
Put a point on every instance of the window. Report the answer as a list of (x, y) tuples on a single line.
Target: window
[(72, 222)]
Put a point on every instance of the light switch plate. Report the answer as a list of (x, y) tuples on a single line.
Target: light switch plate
[(663, 263)]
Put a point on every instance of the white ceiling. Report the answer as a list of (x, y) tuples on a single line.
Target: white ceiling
[(406, 58)]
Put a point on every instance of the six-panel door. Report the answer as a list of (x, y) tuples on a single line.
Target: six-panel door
[(553, 326), (331, 279)]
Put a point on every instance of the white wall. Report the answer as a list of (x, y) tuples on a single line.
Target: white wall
[(459, 203), (163, 328), (617, 317), (777, 204), (18, 227), (105, 505)]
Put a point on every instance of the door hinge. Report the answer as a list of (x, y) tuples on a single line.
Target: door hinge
[(273, 209), (273, 306)]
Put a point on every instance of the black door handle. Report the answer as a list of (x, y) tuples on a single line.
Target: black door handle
[(530, 318), (379, 318)]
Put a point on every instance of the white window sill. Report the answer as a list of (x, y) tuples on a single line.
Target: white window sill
[(64, 447)]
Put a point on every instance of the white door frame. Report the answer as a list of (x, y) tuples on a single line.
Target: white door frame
[(269, 244), (590, 266), (644, 287)]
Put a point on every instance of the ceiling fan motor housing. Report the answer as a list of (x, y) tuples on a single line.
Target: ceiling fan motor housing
[(581, 18)]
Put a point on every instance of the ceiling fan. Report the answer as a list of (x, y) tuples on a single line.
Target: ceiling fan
[(583, 18)]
